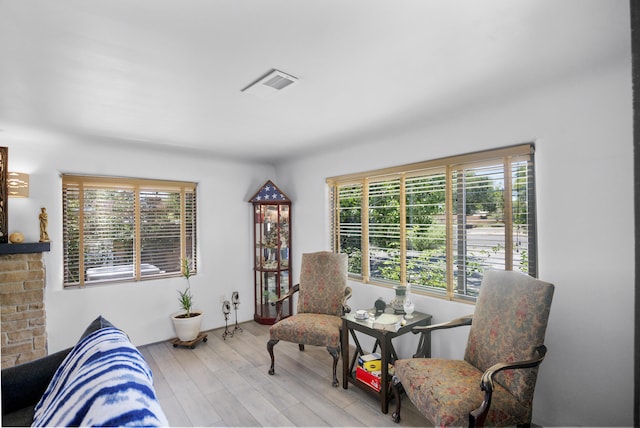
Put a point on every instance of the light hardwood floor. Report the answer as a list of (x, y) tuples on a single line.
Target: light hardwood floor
[(225, 383)]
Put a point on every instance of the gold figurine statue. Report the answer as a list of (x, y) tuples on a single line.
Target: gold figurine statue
[(44, 222)]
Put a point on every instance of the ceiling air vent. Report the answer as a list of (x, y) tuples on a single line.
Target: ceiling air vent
[(271, 83)]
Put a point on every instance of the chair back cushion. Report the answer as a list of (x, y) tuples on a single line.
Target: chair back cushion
[(323, 280), (509, 322)]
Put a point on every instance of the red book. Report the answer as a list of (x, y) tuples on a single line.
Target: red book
[(368, 378)]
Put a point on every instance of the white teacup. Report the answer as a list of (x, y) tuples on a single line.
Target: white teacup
[(362, 314)]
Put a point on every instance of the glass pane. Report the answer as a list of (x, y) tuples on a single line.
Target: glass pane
[(284, 237), (268, 293), (270, 237), (190, 229), (258, 292), (108, 234), (479, 241), (71, 234), (426, 230), (384, 230), (160, 232), (257, 212), (350, 212), (284, 289), (271, 294), (522, 218)]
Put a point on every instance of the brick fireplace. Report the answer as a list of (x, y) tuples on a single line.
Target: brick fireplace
[(22, 316)]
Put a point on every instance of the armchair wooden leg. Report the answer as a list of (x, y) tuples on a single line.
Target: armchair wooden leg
[(335, 353), (270, 345), (395, 387)]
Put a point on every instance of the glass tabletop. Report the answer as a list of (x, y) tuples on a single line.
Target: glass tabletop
[(386, 321)]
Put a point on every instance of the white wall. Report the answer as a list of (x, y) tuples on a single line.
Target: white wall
[(141, 309), (582, 129)]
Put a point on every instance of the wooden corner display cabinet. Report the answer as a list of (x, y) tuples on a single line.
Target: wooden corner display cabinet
[(272, 245)]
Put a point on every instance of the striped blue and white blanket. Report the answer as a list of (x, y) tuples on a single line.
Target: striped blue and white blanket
[(104, 381)]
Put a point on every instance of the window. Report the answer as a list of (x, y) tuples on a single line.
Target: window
[(437, 225), (117, 229)]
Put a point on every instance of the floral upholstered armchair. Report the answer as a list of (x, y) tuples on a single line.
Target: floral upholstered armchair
[(323, 293), (494, 384)]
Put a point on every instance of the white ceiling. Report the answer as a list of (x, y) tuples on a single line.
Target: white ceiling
[(170, 72)]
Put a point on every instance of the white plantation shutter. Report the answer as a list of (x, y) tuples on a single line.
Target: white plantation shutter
[(127, 229)]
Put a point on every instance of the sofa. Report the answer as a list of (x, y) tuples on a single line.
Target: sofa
[(101, 381)]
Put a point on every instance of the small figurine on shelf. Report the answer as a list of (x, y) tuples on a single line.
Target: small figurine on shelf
[(44, 223)]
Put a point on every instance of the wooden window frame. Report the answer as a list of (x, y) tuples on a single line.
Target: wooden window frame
[(449, 165), (137, 186)]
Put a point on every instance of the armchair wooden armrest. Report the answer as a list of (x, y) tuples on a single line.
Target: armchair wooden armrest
[(458, 322), (291, 292), (477, 416), (347, 295), (278, 302), (424, 347)]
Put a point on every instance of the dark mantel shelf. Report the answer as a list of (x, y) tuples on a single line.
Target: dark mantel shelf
[(25, 248)]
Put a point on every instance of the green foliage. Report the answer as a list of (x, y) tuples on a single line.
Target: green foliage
[(355, 259), (186, 298), (476, 190), (524, 261), (479, 194), (428, 269), (520, 214), (390, 269), (495, 249), (185, 268), (426, 237), (186, 301)]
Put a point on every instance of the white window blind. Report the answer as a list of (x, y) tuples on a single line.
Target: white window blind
[(438, 225), (126, 229), (350, 225), (384, 229), (426, 230)]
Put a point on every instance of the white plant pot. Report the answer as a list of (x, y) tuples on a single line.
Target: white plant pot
[(187, 328)]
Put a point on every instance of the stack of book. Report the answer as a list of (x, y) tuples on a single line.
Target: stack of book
[(369, 370), (389, 322)]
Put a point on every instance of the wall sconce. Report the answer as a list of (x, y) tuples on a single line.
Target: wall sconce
[(18, 185)]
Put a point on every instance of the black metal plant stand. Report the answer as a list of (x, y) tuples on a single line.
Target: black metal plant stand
[(226, 310), (235, 299)]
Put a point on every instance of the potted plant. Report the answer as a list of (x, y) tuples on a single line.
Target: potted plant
[(187, 321)]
